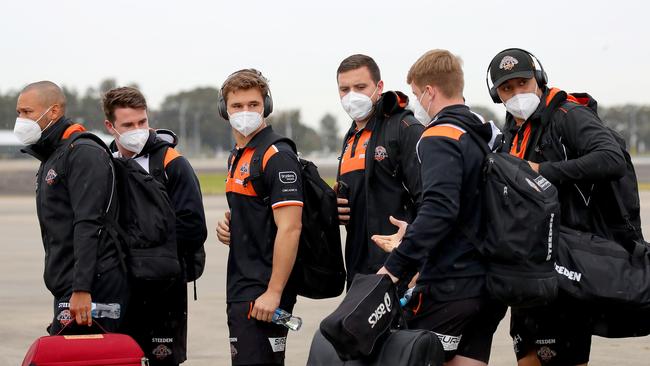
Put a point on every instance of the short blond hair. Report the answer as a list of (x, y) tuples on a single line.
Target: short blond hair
[(438, 68)]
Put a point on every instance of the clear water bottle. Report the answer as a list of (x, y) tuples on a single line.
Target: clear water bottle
[(283, 318), (407, 297), (99, 310)]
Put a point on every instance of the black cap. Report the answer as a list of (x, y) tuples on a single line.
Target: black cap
[(510, 64)]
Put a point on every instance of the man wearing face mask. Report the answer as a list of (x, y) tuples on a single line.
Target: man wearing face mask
[(264, 227), (73, 192), (569, 145), (378, 175), (158, 321), (450, 297)]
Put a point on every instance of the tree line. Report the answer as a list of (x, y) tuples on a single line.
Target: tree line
[(193, 116)]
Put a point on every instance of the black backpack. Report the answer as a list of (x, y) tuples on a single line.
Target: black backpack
[(318, 272), (618, 201), (194, 258), (145, 227), (519, 235)]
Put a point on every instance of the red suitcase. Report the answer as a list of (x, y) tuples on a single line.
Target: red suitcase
[(110, 349)]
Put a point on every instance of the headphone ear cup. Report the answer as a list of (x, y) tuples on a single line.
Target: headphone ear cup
[(541, 78), (494, 95), (268, 105), (223, 110)]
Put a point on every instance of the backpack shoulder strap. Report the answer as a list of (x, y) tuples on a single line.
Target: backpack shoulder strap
[(88, 135), (258, 162), (394, 133), (159, 159)]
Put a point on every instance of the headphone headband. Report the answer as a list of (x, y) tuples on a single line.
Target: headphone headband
[(268, 99)]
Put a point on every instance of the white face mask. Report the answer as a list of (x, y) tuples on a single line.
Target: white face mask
[(28, 131), (523, 105), (133, 140), (357, 105), (245, 122), (420, 113)]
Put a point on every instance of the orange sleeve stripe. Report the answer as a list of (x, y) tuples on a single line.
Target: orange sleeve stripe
[(170, 155), (443, 131), (268, 154), (72, 129), (287, 203)]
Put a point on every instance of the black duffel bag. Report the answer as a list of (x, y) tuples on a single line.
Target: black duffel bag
[(363, 318), (403, 347), (613, 283), (592, 268)]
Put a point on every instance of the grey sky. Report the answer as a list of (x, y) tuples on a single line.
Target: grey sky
[(167, 46)]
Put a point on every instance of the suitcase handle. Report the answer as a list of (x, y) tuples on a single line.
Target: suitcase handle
[(94, 323)]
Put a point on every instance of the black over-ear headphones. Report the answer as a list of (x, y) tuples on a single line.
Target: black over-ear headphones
[(268, 100), (540, 75)]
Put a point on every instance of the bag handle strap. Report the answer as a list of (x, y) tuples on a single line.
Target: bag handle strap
[(93, 323)]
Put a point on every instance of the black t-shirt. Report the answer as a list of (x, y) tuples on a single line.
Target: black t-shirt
[(252, 226), (352, 171)]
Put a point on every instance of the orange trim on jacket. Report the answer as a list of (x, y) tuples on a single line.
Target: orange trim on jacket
[(72, 129), (443, 131)]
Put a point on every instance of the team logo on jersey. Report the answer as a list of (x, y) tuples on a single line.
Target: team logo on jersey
[(244, 168), (161, 352), (380, 153), (365, 144), (508, 63), (546, 354), (50, 177), (64, 317)]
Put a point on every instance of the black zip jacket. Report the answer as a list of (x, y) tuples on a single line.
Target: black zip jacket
[(575, 152), (392, 185), (451, 168), (74, 189)]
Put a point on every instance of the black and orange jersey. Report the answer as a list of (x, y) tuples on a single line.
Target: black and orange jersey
[(352, 171), (252, 226), (379, 164)]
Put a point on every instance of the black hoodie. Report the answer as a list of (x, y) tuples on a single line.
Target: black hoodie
[(451, 165)]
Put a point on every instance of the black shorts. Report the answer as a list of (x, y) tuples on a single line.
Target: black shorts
[(559, 333), (464, 327), (157, 320), (255, 342)]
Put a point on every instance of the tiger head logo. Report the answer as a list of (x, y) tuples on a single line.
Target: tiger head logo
[(508, 63)]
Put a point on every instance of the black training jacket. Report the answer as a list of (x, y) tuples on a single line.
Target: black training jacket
[(74, 189), (575, 151), (451, 171)]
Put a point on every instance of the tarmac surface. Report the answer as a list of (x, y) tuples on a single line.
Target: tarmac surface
[(25, 303)]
